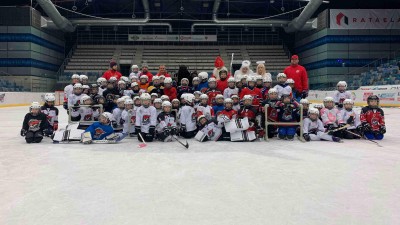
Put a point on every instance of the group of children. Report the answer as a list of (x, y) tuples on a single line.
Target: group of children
[(209, 109)]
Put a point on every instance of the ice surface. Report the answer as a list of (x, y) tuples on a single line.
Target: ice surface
[(278, 182)]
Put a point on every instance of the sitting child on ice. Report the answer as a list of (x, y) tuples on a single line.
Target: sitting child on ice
[(101, 130), (313, 128)]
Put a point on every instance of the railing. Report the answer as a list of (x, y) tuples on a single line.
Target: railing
[(60, 71)]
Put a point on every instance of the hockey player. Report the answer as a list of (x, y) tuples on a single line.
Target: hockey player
[(146, 119), (313, 128), (157, 103), (122, 87), (219, 104), (80, 113), (212, 91), (169, 90), (195, 83), (203, 85), (341, 94), (101, 130), (187, 118), (84, 80), (165, 98), (156, 88), (306, 105), (259, 82), (239, 85), (51, 113), (283, 88), (75, 98), (231, 89), (102, 83), (85, 89), (222, 82), (288, 111), (351, 118), (272, 113), (204, 108), (373, 119), (267, 81), (128, 117), (135, 89), (236, 102), (135, 72), (252, 90), (34, 124), (94, 91), (197, 95), (68, 90), (144, 83), (226, 115), (166, 123), (111, 89), (295, 94), (153, 97), (331, 117), (208, 130), (250, 112), (118, 122), (184, 88), (99, 100)]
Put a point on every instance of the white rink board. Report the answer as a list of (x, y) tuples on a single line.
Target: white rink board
[(279, 182)]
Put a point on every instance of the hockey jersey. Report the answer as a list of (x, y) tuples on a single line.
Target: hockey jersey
[(373, 116), (117, 114), (310, 126), (184, 89), (165, 120), (187, 117), (51, 114), (283, 89), (99, 131), (228, 92), (128, 118), (146, 117), (35, 123), (331, 116), (212, 93), (68, 90), (74, 99), (205, 110), (255, 92), (171, 92), (355, 122), (339, 97)]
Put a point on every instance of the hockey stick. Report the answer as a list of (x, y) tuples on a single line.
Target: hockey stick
[(143, 144), (184, 145), (364, 138), (230, 67), (337, 129)]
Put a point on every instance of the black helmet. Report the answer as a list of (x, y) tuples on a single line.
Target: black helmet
[(373, 97)]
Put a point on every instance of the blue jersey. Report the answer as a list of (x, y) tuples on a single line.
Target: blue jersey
[(202, 85), (217, 109), (99, 131)]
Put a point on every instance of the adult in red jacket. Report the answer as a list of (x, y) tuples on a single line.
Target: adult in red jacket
[(145, 71), (162, 71), (112, 72), (299, 75)]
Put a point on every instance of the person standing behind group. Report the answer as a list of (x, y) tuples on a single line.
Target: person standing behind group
[(112, 72), (262, 71), (145, 71), (162, 71), (299, 75)]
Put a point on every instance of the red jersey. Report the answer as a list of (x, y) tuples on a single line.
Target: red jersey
[(231, 114), (212, 93), (222, 84), (255, 92), (299, 75), (171, 92), (112, 73), (373, 116)]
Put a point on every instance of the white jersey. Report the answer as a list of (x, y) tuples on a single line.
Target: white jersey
[(228, 92), (86, 113), (211, 130), (165, 120), (117, 114), (68, 90), (128, 118), (346, 115), (283, 90), (315, 129), (331, 116), (101, 90), (339, 97), (127, 93), (131, 75), (146, 117), (74, 99), (187, 117), (207, 111), (51, 114)]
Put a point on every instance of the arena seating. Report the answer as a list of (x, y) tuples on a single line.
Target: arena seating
[(8, 86)]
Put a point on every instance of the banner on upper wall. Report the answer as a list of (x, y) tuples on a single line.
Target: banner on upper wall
[(365, 18), (172, 38)]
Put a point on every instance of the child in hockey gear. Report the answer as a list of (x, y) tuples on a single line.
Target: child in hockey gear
[(166, 127), (146, 119), (128, 117), (239, 85), (195, 83), (176, 104), (372, 119), (203, 85), (236, 102), (259, 82), (272, 113), (80, 113), (169, 90), (69, 89), (295, 94), (319, 107), (75, 98), (283, 88), (157, 103), (85, 89), (144, 83), (212, 91), (100, 130), (100, 100), (153, 97), (84, 80), (204, 108), (219, 104), (164, 98), (306, 105), (187, 117), (135, 72), (156, 88), (135, 89), (313, 128), (288, 111), (231, 89), (267, 81), (51, 113), (222, 83), (226, 115), (197, 95), (252, 90), (111, 89), (250, 112), (341, 94), (102, 84), (118, 122), (331, 117), (34, 124), (351, 118), (94, 91), (184, 88), (208, 130), (243, 79)]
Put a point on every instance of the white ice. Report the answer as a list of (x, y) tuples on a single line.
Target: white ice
[(279, 182)]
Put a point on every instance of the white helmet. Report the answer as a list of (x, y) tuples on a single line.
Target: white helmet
[(145, 96), (78, 86), (234, 96), (166, 103), (108, 116), (258, 77), (219, 96), (154, 94), (168, 80), (85, 86), (83, 77), (144, 77), (134, 84), (164, 97), (251, 79), (228, 100), (112, 79), (75, 76), (175, 100), (157, 100), (313, 111), (85, 97), (318, 106), (290, 81), (35, 105), (203, 75), (119, 100), (348, 101), (280, 75), (273, 90), (212, 79), (134, 67), (189, 98), (342, 84), (49, 97), (196, 79), (155, 78), (183, 95), (185, 79), (128, 101), (126, 79), (126, 97), (304, 101), (247, 97), (231, 79), (121, 82), (203, 96), (101, 80), (197, 93), (328, 99)]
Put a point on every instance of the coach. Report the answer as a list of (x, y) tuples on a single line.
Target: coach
[(299, 75), (112, 72)]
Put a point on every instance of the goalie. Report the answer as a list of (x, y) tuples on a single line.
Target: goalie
[(101, 130)]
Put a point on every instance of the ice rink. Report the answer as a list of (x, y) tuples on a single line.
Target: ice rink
[(278, 182)]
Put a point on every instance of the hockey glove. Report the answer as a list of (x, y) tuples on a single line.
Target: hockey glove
[(151, 130), (47, 132), (340, 105), (306, 137), (350, 120), (330, 127), (366, 127), (174, 131), (114, 124), (65, 105), (23, 132), (304, 94), (382, 130), (137, 130), (360, 130), (183, 129), (166, 132)]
